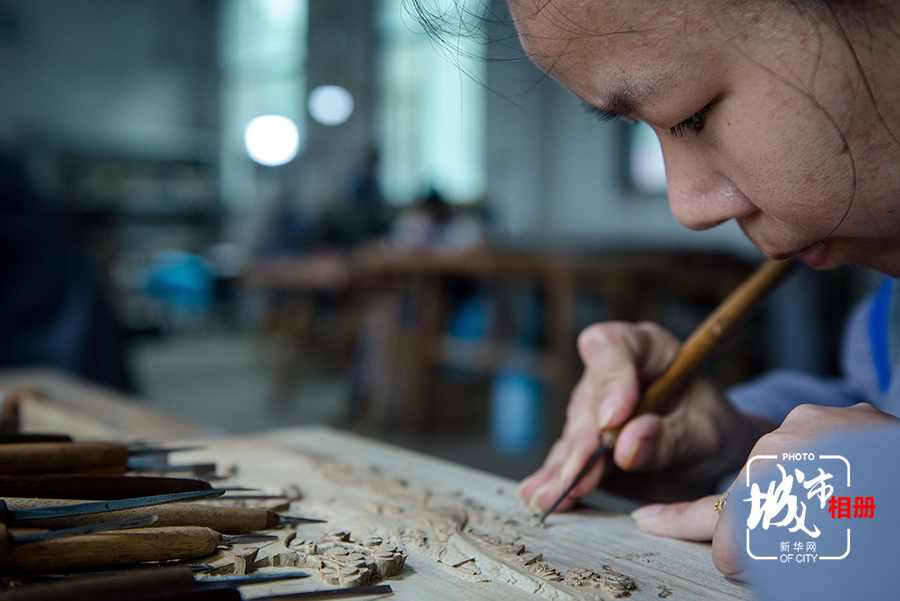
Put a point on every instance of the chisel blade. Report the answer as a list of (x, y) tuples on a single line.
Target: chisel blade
[(289, 519), (21, 515), (161, 450), (231, 581), (336, 593), (243, 539)]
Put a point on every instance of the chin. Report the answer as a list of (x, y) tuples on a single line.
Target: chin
[(823, 256), (877, 256)]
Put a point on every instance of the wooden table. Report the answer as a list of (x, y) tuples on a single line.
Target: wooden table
[(466, 534)]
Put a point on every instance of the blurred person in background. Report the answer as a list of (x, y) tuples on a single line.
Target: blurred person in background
[(53, 309)]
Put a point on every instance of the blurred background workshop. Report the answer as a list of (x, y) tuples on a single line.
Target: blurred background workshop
[(274, 213)]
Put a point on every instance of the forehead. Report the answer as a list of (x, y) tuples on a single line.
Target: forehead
[(595, 46)]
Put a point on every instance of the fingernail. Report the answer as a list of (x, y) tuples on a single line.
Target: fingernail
[(638, 454), (629, 459), (533, 501), (567, 475), (647, 511), (606, 412)]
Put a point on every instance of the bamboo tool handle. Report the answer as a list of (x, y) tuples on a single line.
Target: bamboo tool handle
[(112, 548), (713, 333), (227, 520), (52, 457), (91, 589)]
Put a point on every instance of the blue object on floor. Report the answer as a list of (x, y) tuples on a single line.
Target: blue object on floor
[(515, 411)]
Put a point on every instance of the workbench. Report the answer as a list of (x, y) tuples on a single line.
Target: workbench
[(465, 532)]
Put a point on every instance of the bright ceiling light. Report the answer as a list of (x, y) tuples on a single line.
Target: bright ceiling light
[(271, 140), (330, 105)]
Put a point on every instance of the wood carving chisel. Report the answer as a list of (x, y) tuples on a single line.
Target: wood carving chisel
[(227, 520), (75, 457), (234, 595), (11, 516), (9, 539), (136, 582), (706, 339), (95, 488), (32, 438), (124, 547)]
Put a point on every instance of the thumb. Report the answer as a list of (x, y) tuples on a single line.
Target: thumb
[(695, 520)]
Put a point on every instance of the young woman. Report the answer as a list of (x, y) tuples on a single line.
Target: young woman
[(783, 115)]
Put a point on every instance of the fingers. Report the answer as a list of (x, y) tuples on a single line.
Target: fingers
[(566, 459), (694, 521), (700, 432), (548, 473), (618, 359), (580, 451)]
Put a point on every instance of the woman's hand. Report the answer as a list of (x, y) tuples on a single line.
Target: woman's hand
[(620, 360), (698, 520)]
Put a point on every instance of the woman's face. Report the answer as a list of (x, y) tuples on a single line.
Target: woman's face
[(762, 111)]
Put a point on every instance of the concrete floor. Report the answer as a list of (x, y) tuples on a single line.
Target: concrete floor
[(223, 380)]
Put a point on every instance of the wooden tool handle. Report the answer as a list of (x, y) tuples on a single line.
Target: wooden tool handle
[(713, 332), (32, 438), (55, 458), (112, 548), (227, 520), (95, 488), (101, 587), (197, 594)]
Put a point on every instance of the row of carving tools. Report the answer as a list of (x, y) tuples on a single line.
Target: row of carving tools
[(62, 522)]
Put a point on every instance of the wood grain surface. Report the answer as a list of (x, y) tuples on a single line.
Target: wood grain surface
[(465, 533)]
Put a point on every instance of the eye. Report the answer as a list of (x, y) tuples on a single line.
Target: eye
[(693, 124)]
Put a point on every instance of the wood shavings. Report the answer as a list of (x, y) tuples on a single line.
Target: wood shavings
[(341, 561), (616, 583)]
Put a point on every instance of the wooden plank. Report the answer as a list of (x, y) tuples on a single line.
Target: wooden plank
[(85, 410), (466, 533)]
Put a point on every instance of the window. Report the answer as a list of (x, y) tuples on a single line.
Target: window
[(432, 110)]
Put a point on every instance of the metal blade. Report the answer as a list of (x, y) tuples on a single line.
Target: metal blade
[(138, 522), (104, 506), (591, 462), (141, 450), (237, 539), (337, 593), (288, 519), (231, 581), (150, 463), (252, 497)]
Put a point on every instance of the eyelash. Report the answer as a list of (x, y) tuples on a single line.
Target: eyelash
[(693, 124)]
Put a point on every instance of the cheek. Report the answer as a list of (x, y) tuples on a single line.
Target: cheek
[(789, 159)]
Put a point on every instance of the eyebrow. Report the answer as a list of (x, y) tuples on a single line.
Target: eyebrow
[(621, 103)]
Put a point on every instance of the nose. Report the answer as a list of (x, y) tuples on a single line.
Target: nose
[(700, 196)]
